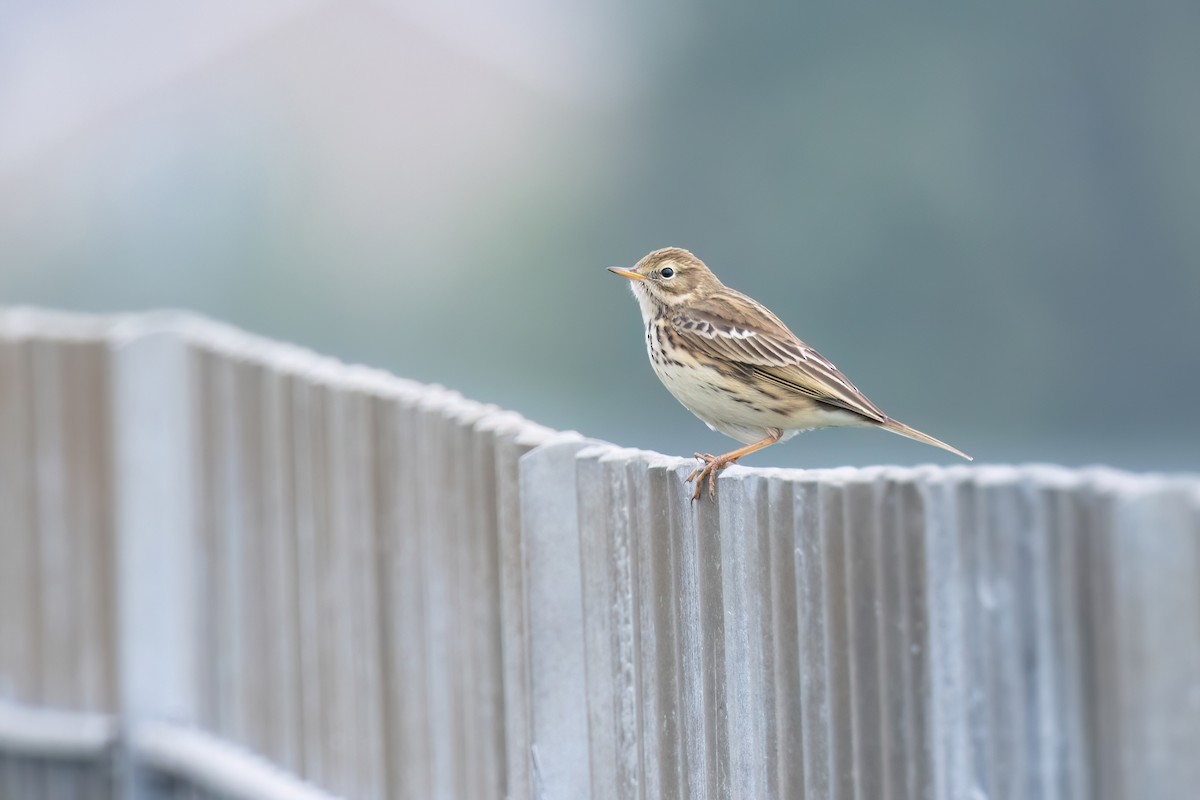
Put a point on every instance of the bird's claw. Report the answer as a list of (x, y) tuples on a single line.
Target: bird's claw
[(712, 466)]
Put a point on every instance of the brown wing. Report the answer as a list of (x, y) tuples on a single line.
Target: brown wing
[(730, 326)]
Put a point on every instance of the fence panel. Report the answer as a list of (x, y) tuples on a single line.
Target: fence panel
[(241, 570)]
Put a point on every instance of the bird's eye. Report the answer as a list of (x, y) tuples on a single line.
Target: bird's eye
[(667, 272)]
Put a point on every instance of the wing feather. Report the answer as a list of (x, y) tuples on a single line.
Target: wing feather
[(730, 326)]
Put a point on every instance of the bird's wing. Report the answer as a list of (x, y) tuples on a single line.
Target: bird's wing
[(732, 327)]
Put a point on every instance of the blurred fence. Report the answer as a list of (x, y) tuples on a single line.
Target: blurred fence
[(230, 568)]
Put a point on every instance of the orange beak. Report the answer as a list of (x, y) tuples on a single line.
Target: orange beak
[(627, 273)]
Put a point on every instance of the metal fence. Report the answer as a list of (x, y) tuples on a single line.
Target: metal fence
[(230, 568)]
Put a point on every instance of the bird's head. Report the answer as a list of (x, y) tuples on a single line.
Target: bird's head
[(668, 277)]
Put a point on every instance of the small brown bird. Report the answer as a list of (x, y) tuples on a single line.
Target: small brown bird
[(733, 364)]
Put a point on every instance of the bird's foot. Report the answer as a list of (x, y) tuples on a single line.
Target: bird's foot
[(712, 466)]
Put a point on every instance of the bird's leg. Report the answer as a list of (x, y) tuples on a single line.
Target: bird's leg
[(714, 464)]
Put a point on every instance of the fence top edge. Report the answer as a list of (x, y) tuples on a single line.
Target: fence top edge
[(206, 335), (1104, 480), (32, 322), (222, 339), (607, 452)]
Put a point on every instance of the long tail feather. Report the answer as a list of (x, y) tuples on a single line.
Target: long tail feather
[(912, 433)]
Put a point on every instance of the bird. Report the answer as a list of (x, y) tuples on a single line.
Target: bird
[(737, 367)]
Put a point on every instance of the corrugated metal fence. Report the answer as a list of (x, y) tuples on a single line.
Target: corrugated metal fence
[(231, 568)]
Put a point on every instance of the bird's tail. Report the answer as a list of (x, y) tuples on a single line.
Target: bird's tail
[(912, 433)]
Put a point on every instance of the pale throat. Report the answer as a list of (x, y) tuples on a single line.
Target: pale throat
[(651, 307), (646, 303)]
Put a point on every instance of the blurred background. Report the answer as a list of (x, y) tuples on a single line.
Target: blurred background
[(988, 218)]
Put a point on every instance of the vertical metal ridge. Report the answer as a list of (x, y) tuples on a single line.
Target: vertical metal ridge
[(893, 644), (597, 504), (19, 613), (1050, 532), (817, 740), (279, 532), (485, 603), (255, 623), (981, 649), (786, 756), (513, 442), (749, 636), (434, 470), (694, 584), (1158, 549), (949, 685), (1069, 555), (904, 549), (465, 542), (90, 521), (1008, 608), (864, 620), (554, 566), (331, 635), (158, 611), (410, 733), (658, 630), (367, 680), (839, 642), (621, 643), (711, 641), (52, 554), (306, 485)]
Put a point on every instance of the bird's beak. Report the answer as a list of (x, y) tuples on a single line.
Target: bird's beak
[(627, 273)]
